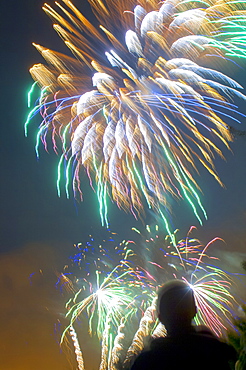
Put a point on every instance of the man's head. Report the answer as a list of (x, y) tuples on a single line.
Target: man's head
[(176, 305)]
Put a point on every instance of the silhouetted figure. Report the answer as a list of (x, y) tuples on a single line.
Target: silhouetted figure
[(186, 346)]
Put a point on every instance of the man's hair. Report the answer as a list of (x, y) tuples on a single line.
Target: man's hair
[(176, 301)]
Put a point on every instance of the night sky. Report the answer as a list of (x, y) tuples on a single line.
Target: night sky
[(38, 229)]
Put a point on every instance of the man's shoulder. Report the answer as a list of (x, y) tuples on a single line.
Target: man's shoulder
[(189, 349), (144, 360)]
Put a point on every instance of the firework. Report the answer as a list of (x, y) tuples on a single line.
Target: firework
[(140, 114), (77, 348), (111, 290), (107, 300), (188, 259), (144, 331)]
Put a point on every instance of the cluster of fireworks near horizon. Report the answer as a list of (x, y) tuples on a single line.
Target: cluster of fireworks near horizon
[(142, 103), (114, 290)]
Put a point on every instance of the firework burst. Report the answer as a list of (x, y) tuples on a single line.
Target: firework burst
[(111, 291), (188, 259), (138, 106)]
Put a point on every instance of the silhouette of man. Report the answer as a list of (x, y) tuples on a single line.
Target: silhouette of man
[(185, 346)]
